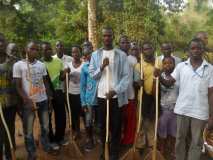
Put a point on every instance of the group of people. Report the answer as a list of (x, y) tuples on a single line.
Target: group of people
[(36, 85)]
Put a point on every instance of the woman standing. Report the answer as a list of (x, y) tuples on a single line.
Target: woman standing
[(74, 88)]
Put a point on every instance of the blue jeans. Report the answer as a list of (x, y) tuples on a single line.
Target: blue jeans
[(28, 121)]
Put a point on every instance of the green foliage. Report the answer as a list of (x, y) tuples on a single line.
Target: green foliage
[(66, 20)]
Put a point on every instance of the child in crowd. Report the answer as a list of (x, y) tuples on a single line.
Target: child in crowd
[(167, 121), (88, 95)]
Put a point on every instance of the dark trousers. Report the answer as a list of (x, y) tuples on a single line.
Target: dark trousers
[(115, 117), (75, 106), (58, 103), (9, 115)]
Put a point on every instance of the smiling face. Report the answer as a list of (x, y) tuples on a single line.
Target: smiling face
[(168, 64), (76, 53)]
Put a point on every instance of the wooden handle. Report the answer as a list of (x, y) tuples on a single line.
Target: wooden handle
[(141, 96), (8, 133), (154, 156), (107, 106), (68, 102)]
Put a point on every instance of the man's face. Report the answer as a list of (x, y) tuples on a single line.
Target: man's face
[(12, 50), (32, 50), (124, 44), (87, 48), (195, 50), (107, 37), (47, 50), (166, 49), (148, 50), (59, 47)]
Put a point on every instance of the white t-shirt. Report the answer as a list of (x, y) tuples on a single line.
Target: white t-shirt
[(65, 59), (36, 89), (74, 81), (130, 91), (192, 100), (102, 86)]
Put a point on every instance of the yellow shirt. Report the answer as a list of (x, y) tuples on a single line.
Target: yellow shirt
[(148, 75)]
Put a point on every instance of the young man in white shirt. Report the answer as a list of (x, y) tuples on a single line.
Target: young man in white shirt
[(31, 83), (195, 100)]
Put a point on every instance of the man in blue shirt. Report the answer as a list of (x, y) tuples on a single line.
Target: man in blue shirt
[(109, 67)]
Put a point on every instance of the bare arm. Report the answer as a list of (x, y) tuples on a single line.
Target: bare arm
[(47, 86), (21, 92)]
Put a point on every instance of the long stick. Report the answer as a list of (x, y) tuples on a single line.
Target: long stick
[(156, 115), (70, 119), (107, 119), (139, 117), (12, 151), (68, 103), (140, 102)]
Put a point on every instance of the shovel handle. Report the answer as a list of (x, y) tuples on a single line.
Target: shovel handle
[(8, 133)]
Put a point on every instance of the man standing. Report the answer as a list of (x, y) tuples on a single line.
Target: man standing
[(115, 61), (8, 96), (55, 67), (31, 83), (195, 100), (129, 110)]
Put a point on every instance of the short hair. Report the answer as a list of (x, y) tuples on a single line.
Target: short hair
[(108, 28), (45, 43), (76, 46), (31, 42), (147, 43), (123, 37), (197, 40), (169, 57)]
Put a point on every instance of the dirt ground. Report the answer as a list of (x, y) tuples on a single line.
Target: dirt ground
[(65, 153)]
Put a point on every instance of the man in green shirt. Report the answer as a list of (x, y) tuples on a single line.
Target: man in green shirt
[(54, 68)]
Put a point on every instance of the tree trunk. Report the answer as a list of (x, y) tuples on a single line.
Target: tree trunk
[(92, 27)]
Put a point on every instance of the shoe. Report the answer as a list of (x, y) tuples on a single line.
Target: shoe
[(54, 146), (89, 146), (64, 142)]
